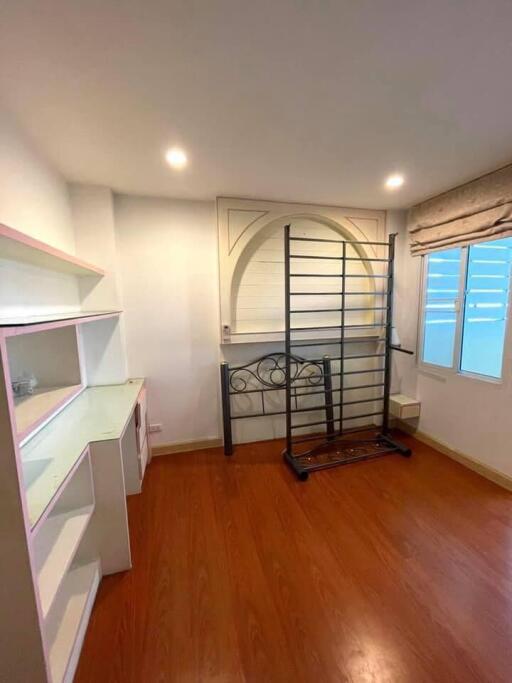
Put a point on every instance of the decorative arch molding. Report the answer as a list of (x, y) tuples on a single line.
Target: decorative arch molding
[(245, 226)]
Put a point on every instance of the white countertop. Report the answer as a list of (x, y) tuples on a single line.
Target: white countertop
[(97, 414)]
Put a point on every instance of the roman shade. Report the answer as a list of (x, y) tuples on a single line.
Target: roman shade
[(476, 211)]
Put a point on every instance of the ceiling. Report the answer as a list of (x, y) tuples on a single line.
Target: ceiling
[(274, 99)]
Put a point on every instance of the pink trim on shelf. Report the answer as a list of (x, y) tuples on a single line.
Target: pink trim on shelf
[(4, 359), (51, 412), (40, 327), (34, 244)]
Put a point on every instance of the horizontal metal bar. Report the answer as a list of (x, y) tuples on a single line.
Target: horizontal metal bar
[(337, 436), (363, 386), (316, 310), (361, 355), (312, 328), (309, 393), (336, 405), (313, 256), (303, 410), (336, 342), (347, 403), (368, 277), (313, 239), (313, 437), (283, 387), (364, 258), (243, 417), (356, 372), (311, 424), (360, 386), (338, 310), (256, 391), (367, 308), (363, 400), (338, 258), (338, 293), (357, 417), (298, 395), (312, 393), (312, 409), (324, 435), (395, 347)]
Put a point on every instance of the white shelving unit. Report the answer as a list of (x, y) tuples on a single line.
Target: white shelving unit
[(57, 538), (52, 357), (19, 322), (66, 451), (65, 626), (17, 246)]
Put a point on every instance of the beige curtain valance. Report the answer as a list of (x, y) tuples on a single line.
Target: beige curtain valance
[(479, 210)]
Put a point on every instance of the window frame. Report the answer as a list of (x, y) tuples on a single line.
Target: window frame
[(455, 368)]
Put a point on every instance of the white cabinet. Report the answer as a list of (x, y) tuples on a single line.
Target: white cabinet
[(51, 359), (57, 536), (134, 446), (67, 452)]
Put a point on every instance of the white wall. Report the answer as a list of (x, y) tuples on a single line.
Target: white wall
[(103, 341), (168, 259), (33, 197), (466, 414)]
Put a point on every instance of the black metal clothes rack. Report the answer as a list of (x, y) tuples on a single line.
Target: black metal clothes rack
[(334, 442)]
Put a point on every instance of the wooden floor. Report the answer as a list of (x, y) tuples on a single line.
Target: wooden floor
[(393, 570)]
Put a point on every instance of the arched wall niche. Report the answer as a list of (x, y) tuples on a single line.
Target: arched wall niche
[(251, 251)]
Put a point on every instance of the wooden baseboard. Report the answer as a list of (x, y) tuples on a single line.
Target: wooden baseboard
[(484, 470), (186, 447)]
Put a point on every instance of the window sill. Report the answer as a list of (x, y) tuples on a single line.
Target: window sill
[(443, 374)]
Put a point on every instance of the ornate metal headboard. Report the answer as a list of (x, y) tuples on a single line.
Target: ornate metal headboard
[(268, 374)]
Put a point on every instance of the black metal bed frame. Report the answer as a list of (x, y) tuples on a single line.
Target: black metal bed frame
[(267, 374), (301, 378), (332, 447)]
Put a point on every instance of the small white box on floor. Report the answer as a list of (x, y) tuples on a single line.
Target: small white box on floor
[(404, 407)]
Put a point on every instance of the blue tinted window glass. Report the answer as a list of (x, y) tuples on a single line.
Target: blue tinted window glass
[(485, 310), (441, 293)]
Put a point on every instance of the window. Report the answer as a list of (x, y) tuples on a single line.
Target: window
[(465, 307)]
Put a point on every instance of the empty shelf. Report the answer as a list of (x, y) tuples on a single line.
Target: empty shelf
[(67, 621), (18, 246), (33, 409), (68, 318), (55, 546)]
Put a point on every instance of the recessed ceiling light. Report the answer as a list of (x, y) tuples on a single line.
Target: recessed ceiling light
[(176, 157), (393, 182)]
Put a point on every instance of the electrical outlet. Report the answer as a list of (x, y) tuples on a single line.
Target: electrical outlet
[(155, 428)]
